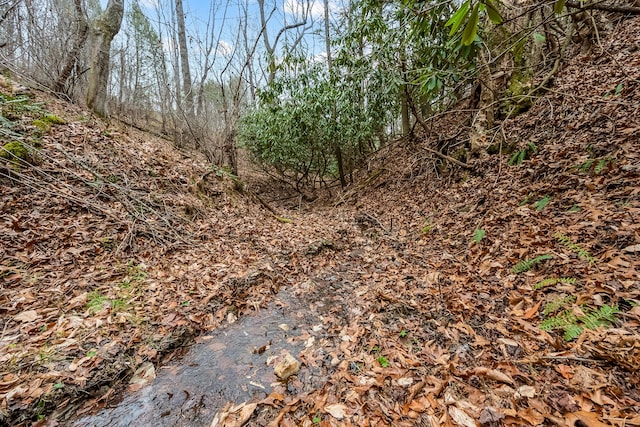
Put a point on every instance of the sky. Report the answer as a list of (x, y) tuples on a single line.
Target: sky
[(228, 11), (226, 22)]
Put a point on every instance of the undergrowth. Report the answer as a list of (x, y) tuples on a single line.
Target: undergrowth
[(577, 249), (528, 264), (572, 324), (552, 281), (23, 123), (557, 304), (523, 154)]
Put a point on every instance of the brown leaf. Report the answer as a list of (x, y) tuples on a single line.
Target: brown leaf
[(145, 374), (336, 410), (287, 366), (565, 370), (490, 416), (587, 419), (420, 404), (234, 415), (532, 311), (494, 375), (460, 417), (26, 316)]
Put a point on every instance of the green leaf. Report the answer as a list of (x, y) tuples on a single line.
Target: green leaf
[(540, 38), (383, 361), (456, 20), (572, 332), (558, 6), (540, 204), (493, 13), (618, 89), (478, 235), (431, 85), (527, 264), (470, 30)]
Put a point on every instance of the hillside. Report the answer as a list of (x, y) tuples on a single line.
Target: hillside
[(426, 294)]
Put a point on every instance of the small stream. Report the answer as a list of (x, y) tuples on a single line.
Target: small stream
[(229, 365), (226, 366)]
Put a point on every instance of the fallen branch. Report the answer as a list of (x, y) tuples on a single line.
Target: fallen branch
[(633, 10), (263, 203)]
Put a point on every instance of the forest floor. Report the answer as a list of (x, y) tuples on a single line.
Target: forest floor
[(451, 291)]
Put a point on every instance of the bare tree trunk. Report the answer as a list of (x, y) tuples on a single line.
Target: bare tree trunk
[(327, 40), (184, 61), (78, 44), (404, 106), (271, 66), (8, 40), (104, 30), (123, 79), (404, 89), (177, 124), (7, 7), (212, 45)]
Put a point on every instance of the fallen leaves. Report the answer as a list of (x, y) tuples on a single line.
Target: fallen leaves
[(105, 271), (26, 316), (234, 415), (336, 410), (144, 375)]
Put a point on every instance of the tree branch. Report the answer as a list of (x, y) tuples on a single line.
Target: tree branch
[(633, 10), (288, 27), (431, 150)]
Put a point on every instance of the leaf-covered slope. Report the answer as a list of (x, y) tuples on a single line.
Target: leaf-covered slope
[(115, 248), (478, 350)]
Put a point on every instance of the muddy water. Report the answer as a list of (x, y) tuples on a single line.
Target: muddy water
[(227, 366)]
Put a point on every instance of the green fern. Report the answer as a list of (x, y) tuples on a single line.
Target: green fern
[(552, 281), (478, 235), (586, 166), (577, 249), (572, 332), (573, 325), (604, 316), (559, 321), (600, 165), (518, 157), (557, 304), (527, 264)]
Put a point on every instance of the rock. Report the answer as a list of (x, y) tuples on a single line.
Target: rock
[(286, 367)]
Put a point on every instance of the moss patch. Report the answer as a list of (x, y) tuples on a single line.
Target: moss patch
[(517, 101), (52, 119), (15, 151), (42, 125)]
